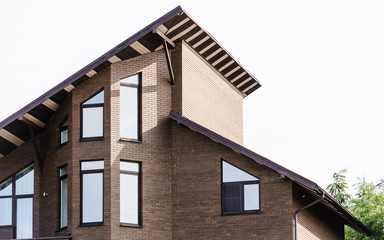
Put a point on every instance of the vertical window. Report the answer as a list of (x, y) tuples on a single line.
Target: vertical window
[(92, 195), (63, 172), (92, 117), (64, 132), (240, 191), (16, 196), (130, 108), (130, 194)]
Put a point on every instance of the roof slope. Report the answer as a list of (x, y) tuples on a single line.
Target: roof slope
[(307, 185), (174, 26)]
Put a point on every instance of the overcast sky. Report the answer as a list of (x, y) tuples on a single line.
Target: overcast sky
[(321, 105)]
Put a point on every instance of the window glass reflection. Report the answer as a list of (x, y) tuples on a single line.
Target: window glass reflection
[(92, 197), (24, 181), (5, 211), (92, 122), (24, 217)]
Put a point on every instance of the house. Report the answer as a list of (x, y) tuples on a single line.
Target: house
[(145, 142)]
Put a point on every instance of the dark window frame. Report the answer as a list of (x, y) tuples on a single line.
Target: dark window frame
[(139, 106), (82, 172), (139, 189), (241, 183), (14, 198), (94, 105), (61, 178), (61, 129)]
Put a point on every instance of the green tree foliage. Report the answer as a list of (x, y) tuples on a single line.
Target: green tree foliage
[(339, 187), (367, 204), (368, 207)]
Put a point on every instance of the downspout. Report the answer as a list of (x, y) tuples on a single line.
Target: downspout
[(305, 207)]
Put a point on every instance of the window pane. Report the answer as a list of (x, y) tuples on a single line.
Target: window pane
[(98, 98), (24, 215), (231, 198), (129, 112), (129, 199), (92, 165), (63, 202), (24, 181), (129, 166), (5, 211), (63, 171), (234, 174), (93, 122), (132, 79), (6, 187), (64, 136), (251, 197), (65, 124), (92, 197)]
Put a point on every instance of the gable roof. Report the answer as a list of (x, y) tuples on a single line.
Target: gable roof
[(174, 26), (307, 185)]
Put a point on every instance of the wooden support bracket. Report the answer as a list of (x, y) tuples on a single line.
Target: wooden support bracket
[(31, 126)]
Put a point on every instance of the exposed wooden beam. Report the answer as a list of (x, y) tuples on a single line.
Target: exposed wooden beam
[(219, 60), (177, 25), (232, 71), (35, 147), (165, 38), (226, 65), (51, 104), (207, 48), (10, 137), (244, 82), (169, 63), (184, 32), (238, 77), (69, 88), (140, 48), (254, 84), (114, 59), (200, 42), (91, 73), (34, 120), (214, 53), (194, 36)]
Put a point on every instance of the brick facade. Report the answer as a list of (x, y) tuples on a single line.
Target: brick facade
[(181, 169)]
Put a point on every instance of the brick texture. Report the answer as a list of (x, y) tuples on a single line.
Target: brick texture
[(207, 98), (181, 169)]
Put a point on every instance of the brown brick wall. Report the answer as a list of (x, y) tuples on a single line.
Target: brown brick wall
[(207, 98), (315, 222), (196, 193), (153, 151), (90, 150)]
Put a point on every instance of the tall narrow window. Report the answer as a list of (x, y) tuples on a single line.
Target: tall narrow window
[(16, 196), (63, 196), (92, 117), (64, 132), (130, 108), (240, 191), (92, 195), (130, 194)]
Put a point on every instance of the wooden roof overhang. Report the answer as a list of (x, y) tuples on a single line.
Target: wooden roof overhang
[(305, 184), (173, 27)]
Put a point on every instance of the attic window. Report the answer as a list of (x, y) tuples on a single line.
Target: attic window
[(240, 191), (92, 117)]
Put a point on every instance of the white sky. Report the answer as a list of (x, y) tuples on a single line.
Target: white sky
[(321, 106)]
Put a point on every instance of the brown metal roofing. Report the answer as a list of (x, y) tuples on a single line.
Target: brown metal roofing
[(307, 185), (176, 25)]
